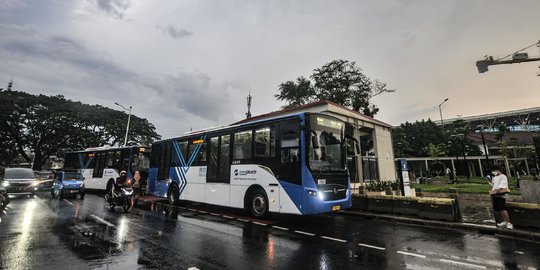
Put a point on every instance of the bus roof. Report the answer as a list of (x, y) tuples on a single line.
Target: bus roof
[(105, 148), (241, 124)]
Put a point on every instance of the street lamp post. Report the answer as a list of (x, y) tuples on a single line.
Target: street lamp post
[(481, 128), (129, 117), (440, 112)]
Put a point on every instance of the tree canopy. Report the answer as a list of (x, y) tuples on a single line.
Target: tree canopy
[(339, 81), (50, 125), (426, 139)]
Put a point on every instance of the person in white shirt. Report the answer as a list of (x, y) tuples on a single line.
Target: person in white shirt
[(499, 191)]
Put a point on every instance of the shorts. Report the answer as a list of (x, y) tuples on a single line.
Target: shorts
[(499, 203)]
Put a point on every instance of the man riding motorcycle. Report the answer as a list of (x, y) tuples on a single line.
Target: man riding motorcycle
[(120, 181)]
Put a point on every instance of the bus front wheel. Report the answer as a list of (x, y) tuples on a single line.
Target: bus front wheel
[(258, 203), (173, 195)]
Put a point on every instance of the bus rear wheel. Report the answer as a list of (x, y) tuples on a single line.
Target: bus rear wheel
[(173, 195), (258, 204)]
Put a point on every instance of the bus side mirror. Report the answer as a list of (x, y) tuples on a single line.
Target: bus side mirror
[(315, 142)]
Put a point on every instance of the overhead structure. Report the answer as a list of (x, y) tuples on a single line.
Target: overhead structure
[(516, 57)]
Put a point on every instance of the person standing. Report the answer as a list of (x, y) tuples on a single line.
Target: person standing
[(137, 187), (499, 193)]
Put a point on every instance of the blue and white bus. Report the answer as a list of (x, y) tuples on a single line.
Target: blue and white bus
[(101, 165), (290, 164)]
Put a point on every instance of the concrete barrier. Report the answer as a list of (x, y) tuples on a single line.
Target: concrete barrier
[(524, 214), (530, 191)]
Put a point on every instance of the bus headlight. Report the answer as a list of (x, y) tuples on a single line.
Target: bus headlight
[(5, 184), (315, 193)]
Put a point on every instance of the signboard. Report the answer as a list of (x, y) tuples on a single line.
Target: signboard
[(405, 182)]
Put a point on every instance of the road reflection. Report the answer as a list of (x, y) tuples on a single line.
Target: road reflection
[(19, 253)]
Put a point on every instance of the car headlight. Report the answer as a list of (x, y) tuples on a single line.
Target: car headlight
[(5, 184)]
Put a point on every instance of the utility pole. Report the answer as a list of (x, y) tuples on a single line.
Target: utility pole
[(440, 112), (248, 114), (129, 117)]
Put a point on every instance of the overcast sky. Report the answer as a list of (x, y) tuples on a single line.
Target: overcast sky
[(190, 64)]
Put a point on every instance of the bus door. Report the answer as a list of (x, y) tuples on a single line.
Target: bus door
[(289, 170), (164, 164)]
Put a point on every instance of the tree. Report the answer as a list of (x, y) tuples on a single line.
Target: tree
[(339, 81), (435, 151), (47, 125), (411, 139), (295, 93)]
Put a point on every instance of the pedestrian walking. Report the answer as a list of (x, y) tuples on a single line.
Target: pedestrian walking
[(499, 193)]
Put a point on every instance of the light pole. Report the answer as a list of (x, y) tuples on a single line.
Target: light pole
[(129, 117), (481, 128), (440, 112)]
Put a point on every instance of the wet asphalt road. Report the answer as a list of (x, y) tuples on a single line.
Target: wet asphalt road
[(45, 233)]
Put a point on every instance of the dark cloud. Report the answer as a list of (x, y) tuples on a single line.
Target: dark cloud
[(73, 69), (195, 94), (115, 8), (174, 32)]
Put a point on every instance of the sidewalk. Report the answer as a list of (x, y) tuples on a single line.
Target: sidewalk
[(477, 215)]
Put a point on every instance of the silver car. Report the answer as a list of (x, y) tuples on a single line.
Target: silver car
[(20, 180)]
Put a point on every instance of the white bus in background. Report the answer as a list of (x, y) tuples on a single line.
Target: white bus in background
[(102, 165)]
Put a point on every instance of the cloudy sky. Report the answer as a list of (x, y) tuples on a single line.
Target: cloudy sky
[(190, 64)]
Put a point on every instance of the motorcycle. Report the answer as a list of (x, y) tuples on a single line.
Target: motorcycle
[(4, 198), (121, 197)]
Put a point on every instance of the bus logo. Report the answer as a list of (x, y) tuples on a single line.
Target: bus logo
[(245, 172)]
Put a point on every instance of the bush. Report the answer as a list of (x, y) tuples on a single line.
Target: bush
[(382, 185)]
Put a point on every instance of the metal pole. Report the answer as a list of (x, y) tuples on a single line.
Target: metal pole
[(127, 128), (440, 112), (129, 118), (485, 148)]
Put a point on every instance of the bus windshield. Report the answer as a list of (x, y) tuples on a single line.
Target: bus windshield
[(326, 144)]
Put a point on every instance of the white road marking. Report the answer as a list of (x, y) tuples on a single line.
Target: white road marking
[(193, 268), (464, 264), (0, 220), (305, 233), (412, 254), (244, 220), (229, 217), (70, 203), (280, 228), (214, 214), (202, 212), (259, 223), (102, 221), (519, 252), (370, 246), (334, 239)]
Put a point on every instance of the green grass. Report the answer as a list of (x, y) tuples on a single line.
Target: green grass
[(476, 185)]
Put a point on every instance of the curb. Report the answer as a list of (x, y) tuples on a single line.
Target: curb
[(517, 233)]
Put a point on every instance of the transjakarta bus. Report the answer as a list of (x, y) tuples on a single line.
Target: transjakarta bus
[(100, 166), (291, 164)]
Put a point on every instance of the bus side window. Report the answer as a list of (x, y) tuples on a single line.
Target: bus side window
[(242, 144), (224, 159), (154, 155), (211, 174), (265, 145)]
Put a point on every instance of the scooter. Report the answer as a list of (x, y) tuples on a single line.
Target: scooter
[(121, 198), (4, 198)]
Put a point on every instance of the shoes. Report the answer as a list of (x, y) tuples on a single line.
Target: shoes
[(509, 226), (502, 224)]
